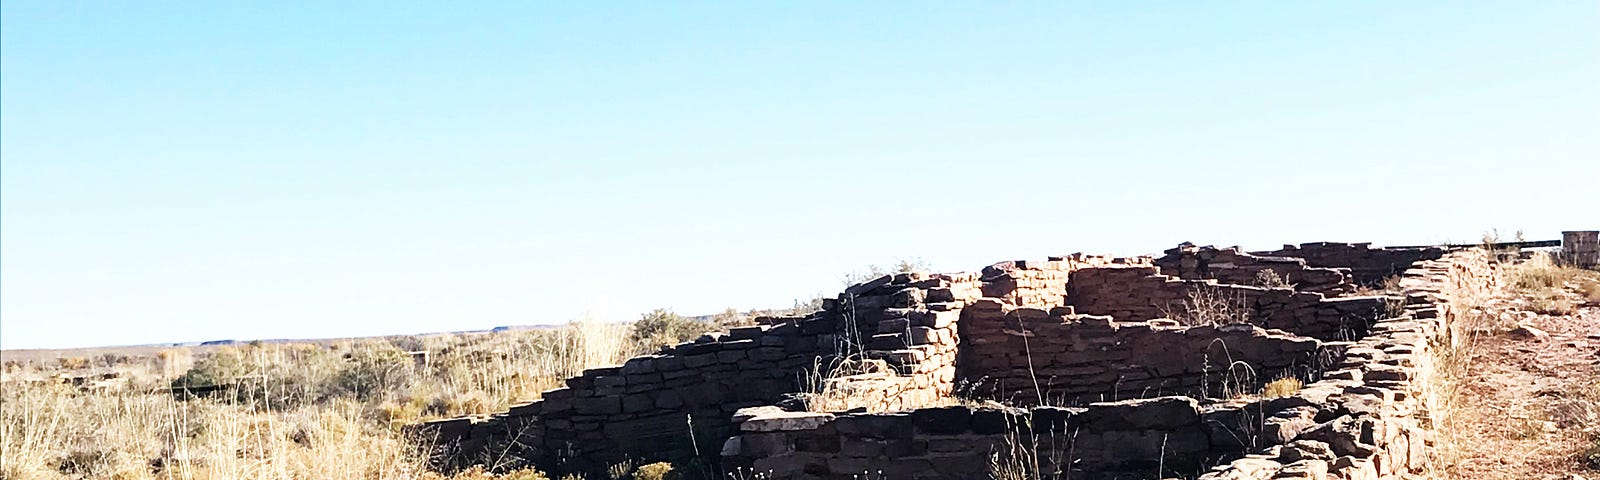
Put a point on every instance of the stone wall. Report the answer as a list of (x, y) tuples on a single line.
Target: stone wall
[(645, 405), (1043, 284), (1369, 266), (1362, 418), (1229, 265), (1141, 293), (650, 407), (1027, 355), (1127, 439), (1367, 420), (1087, 328)]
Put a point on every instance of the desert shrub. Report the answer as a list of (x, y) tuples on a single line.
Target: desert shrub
[(1589, 288), (652, 471), (288, 376), (1545, 284), (804, 307), (478, 473), (72, 363), (1209, 305), (663, 327), (221, 367), (731, 318), (1267, 278), (1540, 272), (873, 272), (1283, 387), (373, 370), (1589, 456), (401, 412)]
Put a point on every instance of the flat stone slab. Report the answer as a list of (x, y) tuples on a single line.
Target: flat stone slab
[(769, 421)]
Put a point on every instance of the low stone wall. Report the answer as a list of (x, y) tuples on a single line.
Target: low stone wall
[(1368, 266), (1127, 439), (1025, 355), (994, 332), (1229, 265), (651, 407), (1043, 284), (1364, 419), (1367, 420), (643, 408), (1142, 293)]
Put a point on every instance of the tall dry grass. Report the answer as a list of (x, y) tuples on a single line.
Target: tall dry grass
[(1546, 284), (53, 431), (1537, 284), (287, 411)]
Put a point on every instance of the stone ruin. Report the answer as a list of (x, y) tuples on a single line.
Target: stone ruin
[(1081, 366)]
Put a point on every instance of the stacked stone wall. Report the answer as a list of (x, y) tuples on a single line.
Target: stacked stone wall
[(644, 408), (1229, 265), (1043, 284), (997, 332), (1126, 439), (1367, 420), (1363, 419), (1142, 293), (651, 407), (1029, 356), (1369, 266)]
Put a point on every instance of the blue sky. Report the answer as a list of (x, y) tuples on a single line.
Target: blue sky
[(208, 170)]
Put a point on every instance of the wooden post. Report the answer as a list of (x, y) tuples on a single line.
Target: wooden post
[(1581, 248)]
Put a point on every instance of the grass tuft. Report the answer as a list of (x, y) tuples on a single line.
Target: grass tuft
[(1283, 387)]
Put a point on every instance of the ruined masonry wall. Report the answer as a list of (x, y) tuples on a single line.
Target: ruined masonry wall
[(1363, 420), (1127, 439), (1369, 266), (1367, 419), (1229, 265), (642, 410), (1142, 293), (1076, 359)]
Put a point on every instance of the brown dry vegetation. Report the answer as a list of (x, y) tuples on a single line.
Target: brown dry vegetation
[(293, 411), (1518, 397)]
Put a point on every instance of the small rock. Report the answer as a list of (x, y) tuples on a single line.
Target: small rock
[(769, 421), (1528, 332)]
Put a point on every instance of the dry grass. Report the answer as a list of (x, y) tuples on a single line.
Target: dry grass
[(848, 384), (1552, 288), (1210, 305), (1516, 421), (1389, 286), (1267, 278), (289, 412), (55, 431), (1282, 387), (1451, 363), (869, 385)]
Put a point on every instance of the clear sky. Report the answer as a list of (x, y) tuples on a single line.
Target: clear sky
[(222, 170)]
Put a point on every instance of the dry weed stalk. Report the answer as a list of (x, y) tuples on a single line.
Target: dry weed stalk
[(1210, 305)]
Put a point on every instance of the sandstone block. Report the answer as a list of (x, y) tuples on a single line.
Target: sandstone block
[(941, 421), (785, 421)]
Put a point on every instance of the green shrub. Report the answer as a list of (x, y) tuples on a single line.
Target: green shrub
[(221, 367), (374, 370), (663, 327)]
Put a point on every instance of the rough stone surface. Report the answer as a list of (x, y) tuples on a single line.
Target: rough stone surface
[(1129, 391)]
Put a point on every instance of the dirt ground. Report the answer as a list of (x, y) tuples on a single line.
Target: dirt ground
[(1529, 400)]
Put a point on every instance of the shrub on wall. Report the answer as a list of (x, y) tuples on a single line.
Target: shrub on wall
[(664, 327)]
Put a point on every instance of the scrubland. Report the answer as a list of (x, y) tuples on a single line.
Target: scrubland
[(294, 411)]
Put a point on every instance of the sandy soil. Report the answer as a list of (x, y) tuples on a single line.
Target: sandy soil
[(1530, 398)]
